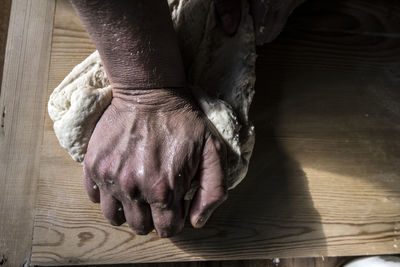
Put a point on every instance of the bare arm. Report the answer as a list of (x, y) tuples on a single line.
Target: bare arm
[(136, 42)]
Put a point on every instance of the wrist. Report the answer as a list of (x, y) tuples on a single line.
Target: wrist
[(140, 77), (153, 100)]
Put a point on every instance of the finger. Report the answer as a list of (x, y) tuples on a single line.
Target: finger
[(138, 217), (212, 191), (91, 188), (229, 13), (112, 209), (167, 209), (169, 221)]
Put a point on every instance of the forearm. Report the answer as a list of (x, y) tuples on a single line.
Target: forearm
[(136, 42)]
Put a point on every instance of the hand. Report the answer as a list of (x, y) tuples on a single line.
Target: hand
[(147, 149), (269, 16)]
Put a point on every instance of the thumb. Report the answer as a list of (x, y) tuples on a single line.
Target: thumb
[(229, 13), (212, 191)]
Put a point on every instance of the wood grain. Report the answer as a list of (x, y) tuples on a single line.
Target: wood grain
[(22, 101), (325, 176), (294, 262), (5, 7)]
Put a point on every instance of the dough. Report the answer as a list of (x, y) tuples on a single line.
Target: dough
[(219, 68), (77, 104), (374, 261)]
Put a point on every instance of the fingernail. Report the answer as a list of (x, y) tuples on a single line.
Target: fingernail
[(201, 221)]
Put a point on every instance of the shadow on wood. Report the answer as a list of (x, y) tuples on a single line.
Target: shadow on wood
[(271, 207), (339, 63)]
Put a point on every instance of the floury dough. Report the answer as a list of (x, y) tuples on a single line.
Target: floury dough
[(219, 68)]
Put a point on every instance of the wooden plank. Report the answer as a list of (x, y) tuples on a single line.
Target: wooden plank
[(294, 262), (22, 105), (324, 178), (5, 7)]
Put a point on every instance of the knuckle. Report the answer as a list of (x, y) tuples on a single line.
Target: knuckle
[(129, 186), (161, 195)]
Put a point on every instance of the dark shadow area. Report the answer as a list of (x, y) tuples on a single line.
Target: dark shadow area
[(271, 211), (343, 98)]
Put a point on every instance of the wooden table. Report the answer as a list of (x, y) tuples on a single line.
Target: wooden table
[(324, 179)]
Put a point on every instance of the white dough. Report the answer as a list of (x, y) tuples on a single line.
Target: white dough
[(219, 68), (77, 103), (375, 261)]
